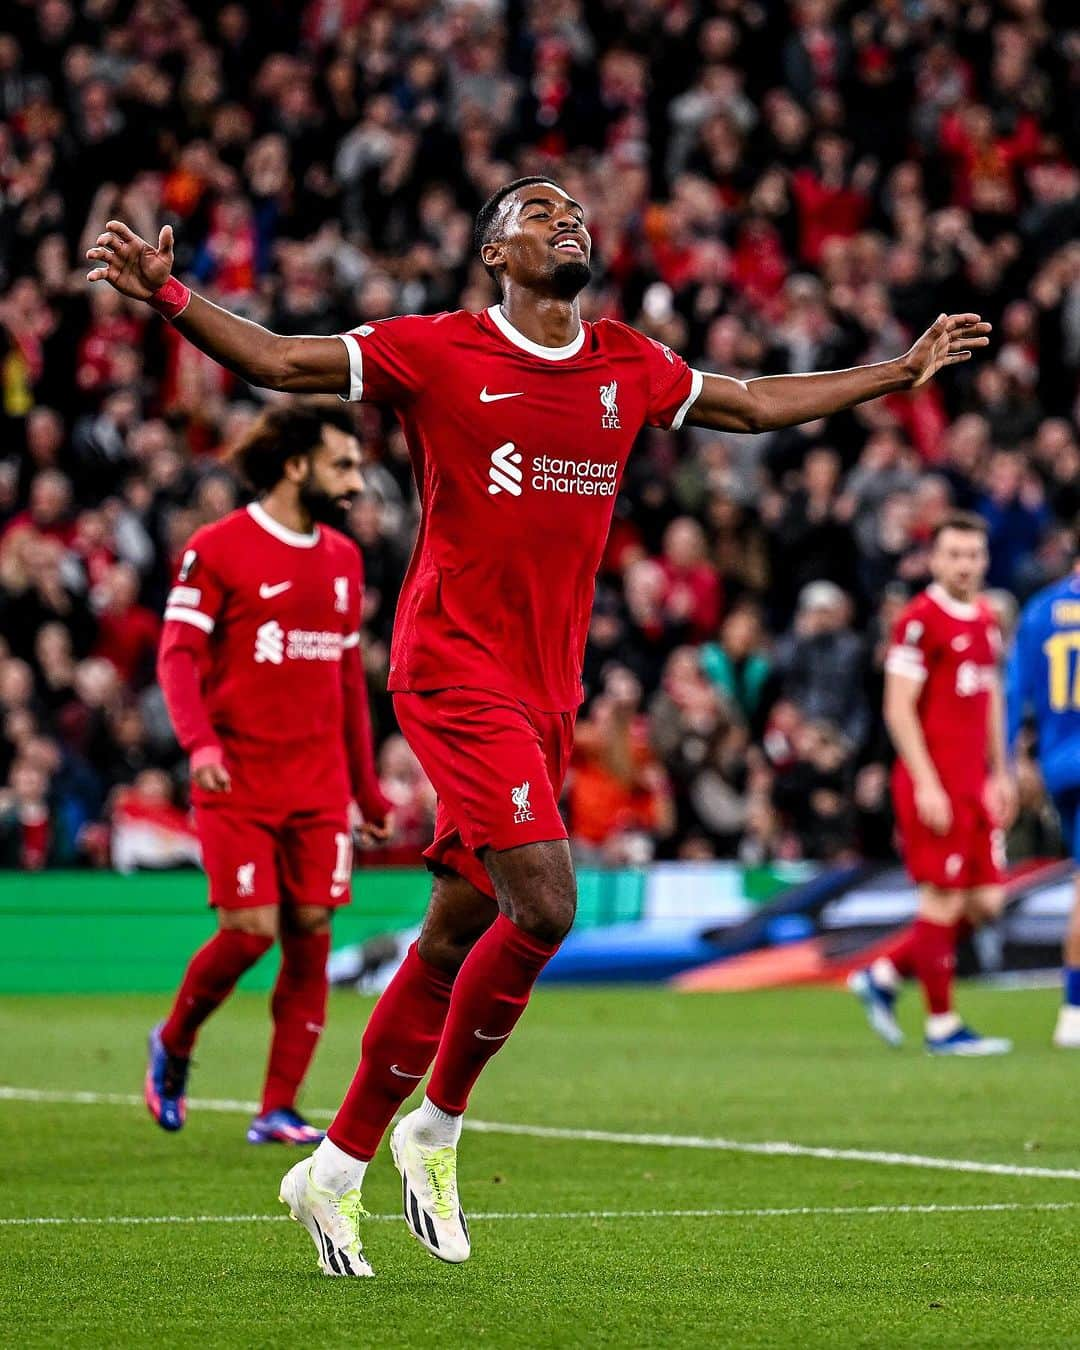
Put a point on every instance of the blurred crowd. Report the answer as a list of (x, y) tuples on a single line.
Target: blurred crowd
[(772, 185)]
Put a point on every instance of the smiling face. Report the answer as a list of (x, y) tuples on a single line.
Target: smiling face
[(540, 242)]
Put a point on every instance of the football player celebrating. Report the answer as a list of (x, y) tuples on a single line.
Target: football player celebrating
[(952, 791), (261, 671), (1044, 680), (519, 421)]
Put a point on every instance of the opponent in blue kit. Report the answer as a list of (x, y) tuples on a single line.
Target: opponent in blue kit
[(1044, 682)]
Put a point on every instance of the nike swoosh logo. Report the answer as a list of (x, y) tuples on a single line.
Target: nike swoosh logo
[(268, 592), (485, 397), (481, 1037), (401, 1074)]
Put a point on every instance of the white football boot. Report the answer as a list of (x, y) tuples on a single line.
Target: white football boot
[(332, 1220), (1067, 1031), (429, 1194)]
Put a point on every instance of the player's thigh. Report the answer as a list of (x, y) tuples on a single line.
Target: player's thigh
[(941, 905), (239, 853), (485, 757), (315, 861), (448, 855)]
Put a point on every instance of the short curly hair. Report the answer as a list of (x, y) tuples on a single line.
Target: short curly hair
[(486, 217)]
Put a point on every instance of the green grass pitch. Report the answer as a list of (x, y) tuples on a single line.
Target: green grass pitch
[(799, 1066)]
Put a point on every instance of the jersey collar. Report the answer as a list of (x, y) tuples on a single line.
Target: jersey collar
[(291, 537), (959, 609), (507, 329)]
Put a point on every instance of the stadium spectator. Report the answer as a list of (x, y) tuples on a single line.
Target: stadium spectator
[(821, 662), (739, 665), (617, 796)]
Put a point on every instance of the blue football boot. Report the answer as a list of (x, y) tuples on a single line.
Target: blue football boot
[(165, 1084), (879, 1004), (964, 1041), (283, 1126)]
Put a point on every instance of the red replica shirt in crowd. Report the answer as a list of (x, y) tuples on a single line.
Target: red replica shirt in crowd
[(260, 655), (518, 451), (953, 649)]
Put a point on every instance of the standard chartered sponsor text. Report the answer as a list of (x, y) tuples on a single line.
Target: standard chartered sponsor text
[(304, 645), (575, 477)]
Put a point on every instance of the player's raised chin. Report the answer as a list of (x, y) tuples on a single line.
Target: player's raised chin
[(544, 242)]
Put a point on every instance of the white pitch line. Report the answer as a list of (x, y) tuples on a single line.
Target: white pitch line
[(777, 1148), (17, 1094), (763, 1148), (564, 1216)]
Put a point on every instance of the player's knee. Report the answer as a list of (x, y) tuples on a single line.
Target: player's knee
[(458, 916), (537, 888), (449, 935), (548, 914), (308, 919), (259, 922), (941, 906), (985, 905), (445, 951)]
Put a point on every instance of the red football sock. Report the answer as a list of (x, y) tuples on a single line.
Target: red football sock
[(935, 962), (398, 1046), (490, 994), (207, 982), (901, 952), (298, 1005)]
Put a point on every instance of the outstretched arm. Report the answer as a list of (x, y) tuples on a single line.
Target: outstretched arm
[(775, 401), (298, 365)]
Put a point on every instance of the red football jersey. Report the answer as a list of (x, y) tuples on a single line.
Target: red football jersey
[(278, 610), (517, 450), (953, 649)]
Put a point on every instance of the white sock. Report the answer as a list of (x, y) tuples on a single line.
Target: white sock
[(334, 1170), (438, 1127), (942, 1024), (884, 973)]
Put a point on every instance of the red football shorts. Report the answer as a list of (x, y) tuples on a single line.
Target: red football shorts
[(497, 766), (262, 857), (971, 854)]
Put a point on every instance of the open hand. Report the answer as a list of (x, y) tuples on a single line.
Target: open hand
[(950, 339), (128, 263)]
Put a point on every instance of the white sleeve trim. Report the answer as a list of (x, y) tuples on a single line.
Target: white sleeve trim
[(696, 382), (352, 640), (192, 616), (356, 369), (901, 661)]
